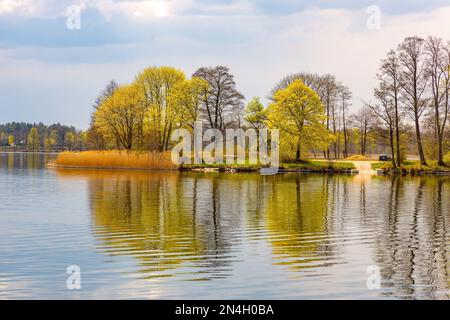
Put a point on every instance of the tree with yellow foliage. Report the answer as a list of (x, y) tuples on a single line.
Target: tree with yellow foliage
[(298, 112), (33, 139), (70, 140), (121, 116), (156, 84), (11, 140), (185, 101)]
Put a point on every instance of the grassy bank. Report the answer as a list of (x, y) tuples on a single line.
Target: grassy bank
[(304, 166), (115, 160), (412, 168)]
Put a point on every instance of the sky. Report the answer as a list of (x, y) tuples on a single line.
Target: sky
[(51, 70)]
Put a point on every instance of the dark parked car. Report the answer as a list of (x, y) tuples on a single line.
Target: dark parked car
[(385, 157)]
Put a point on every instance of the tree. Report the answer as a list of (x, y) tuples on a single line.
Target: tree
[(121, 116), (413, 83), (254, 114), (109, 90), (389, 76), (326, 87), (329, 98), (95, 139), (363, 120), (312, 80), (345, 95), (221, 98), (52, 140), (33, 139), (438, 62), (94, 135), (385, 110), (298, 111), (185, 100), (70, 139), (11, 140), (156, 84)]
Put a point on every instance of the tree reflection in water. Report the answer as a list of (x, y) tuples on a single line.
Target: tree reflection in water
[(194, 226)]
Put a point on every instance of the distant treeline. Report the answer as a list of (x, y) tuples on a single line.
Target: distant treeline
[(40, 137)]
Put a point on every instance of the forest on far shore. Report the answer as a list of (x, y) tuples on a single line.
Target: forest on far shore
[(23, 136)]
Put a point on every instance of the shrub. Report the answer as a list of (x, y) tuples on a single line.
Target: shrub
[(447, 158)]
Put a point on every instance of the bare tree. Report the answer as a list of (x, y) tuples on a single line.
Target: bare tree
[(438, 61), (95, 138), (389, 76), (329, 90), (345, 95), (385, 110), (110, 88), (413, 83), (221, 99), (363, 121)]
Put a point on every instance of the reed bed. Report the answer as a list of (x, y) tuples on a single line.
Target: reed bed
[(116, 159)]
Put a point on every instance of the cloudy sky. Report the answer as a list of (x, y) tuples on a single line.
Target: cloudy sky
[(51, 73)]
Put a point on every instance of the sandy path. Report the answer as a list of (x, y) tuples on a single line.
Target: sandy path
[(364, 167)]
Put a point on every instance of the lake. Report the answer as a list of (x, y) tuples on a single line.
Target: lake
[(167, 235)]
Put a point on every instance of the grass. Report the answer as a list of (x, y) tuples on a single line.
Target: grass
[(115, 160), (412, 167), (319, 165), (315, 166)]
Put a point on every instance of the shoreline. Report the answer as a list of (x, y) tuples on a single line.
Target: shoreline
[(412, 173), (232, 169), (206, 169), (118, 160), (411, 168)]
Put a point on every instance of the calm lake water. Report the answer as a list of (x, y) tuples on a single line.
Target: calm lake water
[(208, 235)]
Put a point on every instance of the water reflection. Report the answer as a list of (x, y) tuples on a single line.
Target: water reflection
[(189, 235), (414, 240), (197, 222), (24, 160)]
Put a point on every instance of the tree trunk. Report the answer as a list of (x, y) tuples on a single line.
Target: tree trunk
[(419, 141), (397, 132), (298, 154), (391, 140), (441, 148)]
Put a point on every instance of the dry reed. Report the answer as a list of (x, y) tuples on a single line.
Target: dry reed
[(115, 159)]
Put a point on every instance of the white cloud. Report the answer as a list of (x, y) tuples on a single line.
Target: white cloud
[(130, 8), (18, 7), (144, 9)]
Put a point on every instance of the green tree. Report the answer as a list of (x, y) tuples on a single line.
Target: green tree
[(33, 139), (298, 112), (254, 114)]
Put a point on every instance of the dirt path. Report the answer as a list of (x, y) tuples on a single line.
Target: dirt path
[(364, 167)]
